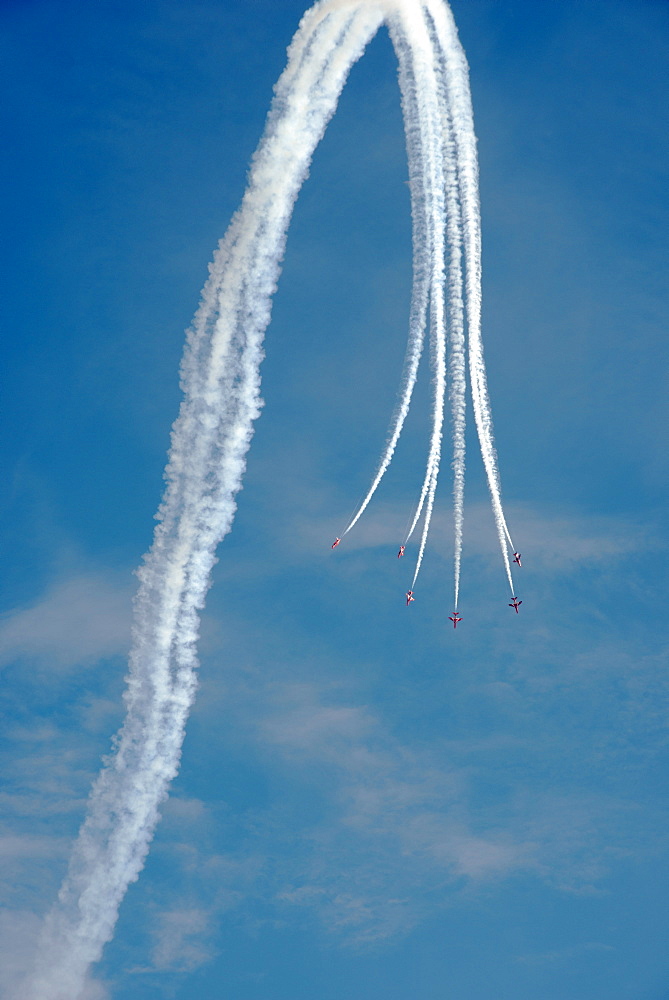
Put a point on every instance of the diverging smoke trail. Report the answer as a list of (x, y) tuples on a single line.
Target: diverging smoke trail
[(422, 187), (457, 97), (220, 379), (457, 370), (210, 439), (418, 309), (418, 86), (437, 110), (422, 86), (443, 167)]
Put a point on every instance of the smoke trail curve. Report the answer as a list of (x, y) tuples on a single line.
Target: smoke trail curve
[(458, 96), (421, 188), (415, 53), (220, 379), (221, 384)]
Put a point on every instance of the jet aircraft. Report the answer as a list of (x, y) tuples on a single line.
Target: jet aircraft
[(335, 543), (455, 618), (410, 597), (516, 558), (401, 552), (515, 604)]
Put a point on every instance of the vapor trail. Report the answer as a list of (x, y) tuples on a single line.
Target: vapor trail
[(418, 86), (417, 315), (457, 96), (438, 110), (456, 356), (457, 370), (220, 379), (421, 79)]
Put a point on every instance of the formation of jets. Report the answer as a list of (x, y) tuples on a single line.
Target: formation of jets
[(455, 617)]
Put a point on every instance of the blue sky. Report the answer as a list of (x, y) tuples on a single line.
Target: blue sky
[(369, 805)]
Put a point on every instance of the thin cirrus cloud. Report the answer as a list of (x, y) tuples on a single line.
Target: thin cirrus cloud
[(386, 824), (550, 539), (180, 940), (77, 622), (369, 834)]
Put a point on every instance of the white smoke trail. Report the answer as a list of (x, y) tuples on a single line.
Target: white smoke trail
[(457, 371), (419, 299), (421, 193), (422, 104), (442, 65), (458, 96), (418, 88), (220, 377), (449, 217), (414, 49), (210, 439)]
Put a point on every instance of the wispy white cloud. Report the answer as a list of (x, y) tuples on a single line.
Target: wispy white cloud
[(562, 955), (14, 847), (556, 539), (19, 930), (370, 833), (305, 725), (48, 762), (389, 823), (19, 935), (181, 943), (77, 622), (560, 539)]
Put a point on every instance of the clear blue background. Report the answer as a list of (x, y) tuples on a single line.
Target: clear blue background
[(370, 805)]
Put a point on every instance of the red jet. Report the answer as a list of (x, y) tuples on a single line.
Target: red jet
[(401, 552), (335, 543), (515, 604), (455, 618), (410, 597), (516, 558)]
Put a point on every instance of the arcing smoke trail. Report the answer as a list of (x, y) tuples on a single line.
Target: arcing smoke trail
[(417, 314), (457, 370), (210, 438), (442, 197), (220, 377), (420, 104), (457, 95), (443, 165), (424, 188)]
